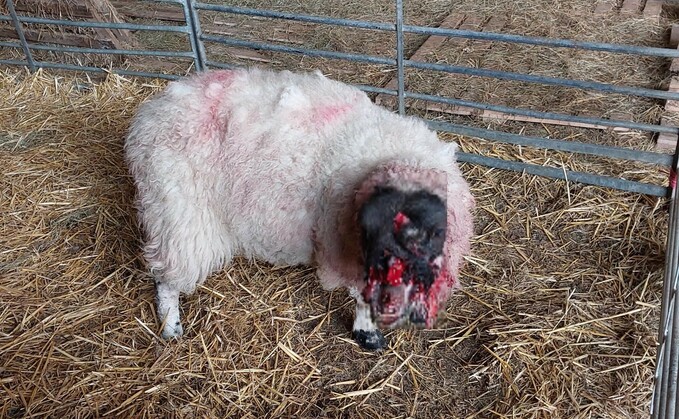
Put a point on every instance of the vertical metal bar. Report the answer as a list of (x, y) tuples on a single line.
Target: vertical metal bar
[(668, 332), (399, 57), (195, 33), (20, 33), (672, 344)]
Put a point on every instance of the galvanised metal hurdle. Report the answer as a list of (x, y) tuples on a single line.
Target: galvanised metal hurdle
[(664, 404)]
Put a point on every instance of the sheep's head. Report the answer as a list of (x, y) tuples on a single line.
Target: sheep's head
[(403, 235)]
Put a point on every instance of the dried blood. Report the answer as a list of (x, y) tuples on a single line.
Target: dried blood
[(395, 274)]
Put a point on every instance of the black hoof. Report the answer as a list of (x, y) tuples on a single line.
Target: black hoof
[(371, 340)]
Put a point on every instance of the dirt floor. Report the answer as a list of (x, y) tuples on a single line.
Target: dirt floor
[(559, 309)]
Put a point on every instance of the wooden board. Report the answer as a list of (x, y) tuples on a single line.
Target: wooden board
[(155, 11), (653, 10), (102, 11), (603, 7), (631, 7), (96, 10), (435, 43), (75, 40), (666, 141)]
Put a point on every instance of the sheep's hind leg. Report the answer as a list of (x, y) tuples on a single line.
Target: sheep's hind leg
[(365, 331), (181, 255), (167, 300)]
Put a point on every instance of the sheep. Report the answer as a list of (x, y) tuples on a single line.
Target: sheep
[(297, 169)]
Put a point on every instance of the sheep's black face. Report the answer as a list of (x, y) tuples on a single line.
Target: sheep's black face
[(403, 235)]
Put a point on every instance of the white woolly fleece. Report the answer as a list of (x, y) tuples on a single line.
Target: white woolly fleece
[(274, 165)]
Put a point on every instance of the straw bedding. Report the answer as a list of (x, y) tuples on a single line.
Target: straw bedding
[(557, 317)]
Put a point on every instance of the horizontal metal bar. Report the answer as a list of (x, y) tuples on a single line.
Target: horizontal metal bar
[(580, 84), (373, 89), (554, 173), (459, 33), (69, 67), (14, 62), (217, 64), (543, 41), (558, 145), (362, 58), (362, 24), (544, 115), (525, 112), (106, 25), (100, 50), (554, 81)]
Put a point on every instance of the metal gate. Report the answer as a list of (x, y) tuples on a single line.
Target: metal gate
[(667, 370)]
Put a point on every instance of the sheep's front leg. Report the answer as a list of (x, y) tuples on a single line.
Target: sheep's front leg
[(365, 331), (168, 310)]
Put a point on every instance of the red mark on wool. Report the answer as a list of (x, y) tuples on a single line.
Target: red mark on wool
[(399, 221), (220, 76), (673, 179), (215, 84), (329, 113)]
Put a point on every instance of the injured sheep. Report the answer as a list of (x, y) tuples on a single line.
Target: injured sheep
[(298, 169)]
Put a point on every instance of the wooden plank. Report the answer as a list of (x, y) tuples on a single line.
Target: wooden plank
[(603, 7), (155, 11), (52, 8), (653, 9), (443, 108), (98, 10), (124, 8), (673, 105), (493, 115), (285, 32), (470, 23), (248, 54), (495, 24), (665, 140), (631, 7), (432, 43), (102, 11), (75, 40), (508, 117), (674, 36), (674, 65)]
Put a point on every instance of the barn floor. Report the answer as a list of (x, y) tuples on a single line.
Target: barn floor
[(557, 318), (559, 309)]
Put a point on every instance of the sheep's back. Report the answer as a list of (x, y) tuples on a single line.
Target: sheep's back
[(258, 150)]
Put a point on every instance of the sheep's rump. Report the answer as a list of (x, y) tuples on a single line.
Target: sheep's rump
[(265, 162)]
